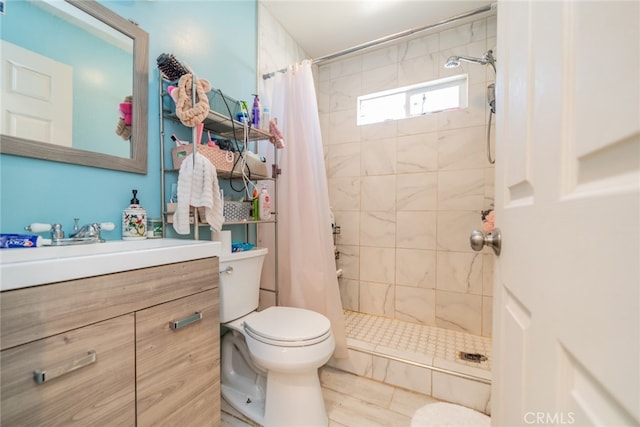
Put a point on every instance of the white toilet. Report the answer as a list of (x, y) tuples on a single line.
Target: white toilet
[(269, 359)]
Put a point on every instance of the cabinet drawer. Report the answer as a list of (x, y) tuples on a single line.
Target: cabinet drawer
[(177, 370), (98, 393), (33, 313)]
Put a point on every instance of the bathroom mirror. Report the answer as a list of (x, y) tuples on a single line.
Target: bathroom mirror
[(105, 58)]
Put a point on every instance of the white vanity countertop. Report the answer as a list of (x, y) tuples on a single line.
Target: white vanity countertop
[(22, 267)]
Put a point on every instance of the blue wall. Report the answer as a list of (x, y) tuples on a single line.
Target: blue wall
[(216, 38)]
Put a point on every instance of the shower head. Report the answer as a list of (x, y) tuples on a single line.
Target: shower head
[(452, 62), (487, 58)]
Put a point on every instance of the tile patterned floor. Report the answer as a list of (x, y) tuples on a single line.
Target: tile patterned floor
[(353, 401)]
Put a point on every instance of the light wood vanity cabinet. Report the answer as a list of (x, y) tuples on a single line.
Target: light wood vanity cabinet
[(110, 352)]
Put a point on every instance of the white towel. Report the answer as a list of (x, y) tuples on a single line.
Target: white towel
[(198, 186)]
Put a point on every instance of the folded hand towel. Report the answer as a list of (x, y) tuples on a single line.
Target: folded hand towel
[(197, 186)]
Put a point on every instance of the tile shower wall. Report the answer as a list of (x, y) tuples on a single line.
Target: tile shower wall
[(407, 193)]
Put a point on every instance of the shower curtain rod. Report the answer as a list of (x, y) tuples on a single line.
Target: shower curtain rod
[(392, 37)]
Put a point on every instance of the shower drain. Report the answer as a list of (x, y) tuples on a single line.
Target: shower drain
[(472, 357)]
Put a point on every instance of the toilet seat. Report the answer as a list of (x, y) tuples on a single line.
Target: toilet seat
[(287, 327)]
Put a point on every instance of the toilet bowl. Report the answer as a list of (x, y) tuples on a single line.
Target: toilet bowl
[(270, 359)]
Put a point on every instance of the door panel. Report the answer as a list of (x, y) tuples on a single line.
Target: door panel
[(567, 328)]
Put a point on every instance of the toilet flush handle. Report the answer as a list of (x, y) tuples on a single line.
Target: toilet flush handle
[(228, 270)]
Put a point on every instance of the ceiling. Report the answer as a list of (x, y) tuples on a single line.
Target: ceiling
[(323, 27)]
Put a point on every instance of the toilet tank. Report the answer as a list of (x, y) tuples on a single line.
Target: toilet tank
[(240, 283)]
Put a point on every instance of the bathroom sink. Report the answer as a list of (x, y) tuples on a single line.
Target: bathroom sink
[(23, 267)]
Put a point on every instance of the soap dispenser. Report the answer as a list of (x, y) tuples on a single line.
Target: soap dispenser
[(134, 220)]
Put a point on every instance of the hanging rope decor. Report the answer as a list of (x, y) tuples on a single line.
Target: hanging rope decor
[(189, 114)]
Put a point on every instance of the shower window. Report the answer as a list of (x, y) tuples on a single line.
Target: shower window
[(411, 101)]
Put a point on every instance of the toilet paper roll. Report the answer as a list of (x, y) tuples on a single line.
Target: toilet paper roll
[(224, 237)]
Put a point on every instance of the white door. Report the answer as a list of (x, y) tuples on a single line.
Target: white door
[(567, 301), (37, 96)]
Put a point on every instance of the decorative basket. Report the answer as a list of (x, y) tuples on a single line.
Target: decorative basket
[(236, 211), (221, 159)]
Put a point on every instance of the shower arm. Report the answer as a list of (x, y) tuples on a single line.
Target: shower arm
[(482, 61)]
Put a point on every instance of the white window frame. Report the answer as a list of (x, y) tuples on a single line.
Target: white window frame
[(460, 81)]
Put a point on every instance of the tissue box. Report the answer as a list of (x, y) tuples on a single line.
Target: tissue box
[(236, 211)]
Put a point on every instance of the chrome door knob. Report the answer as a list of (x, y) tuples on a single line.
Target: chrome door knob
[(478, 240)]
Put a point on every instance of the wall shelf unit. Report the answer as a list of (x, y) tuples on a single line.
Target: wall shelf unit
[(222, 127)]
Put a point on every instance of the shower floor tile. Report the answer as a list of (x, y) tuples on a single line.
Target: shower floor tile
[(422, 344)]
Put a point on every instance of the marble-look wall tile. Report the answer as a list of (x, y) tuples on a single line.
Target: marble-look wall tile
[(418, 125), (418, 46), (379, 79), (472, 394), (415, 267), (349, 261), (325, 128), (276, 48), (344, 160), (415, 305), (349, 223), (460, 189), (343, 127), (345, 91), (377, 298), (487, 274), (487, 316), (463, 35), (462, 148), (416, 230), (378, 193), (419, 69), (492, 28), (402, 375), (380, 57), (323, 96), (378, 228), (489, 184), (461, 312), (377, 264), (358, 363), (473, 115), (417, 153), (378, 157), (454, 228), (324, 73), (460, 272), (344, 67), (349, 293), (417, 192), (383, 130), (344, 193)]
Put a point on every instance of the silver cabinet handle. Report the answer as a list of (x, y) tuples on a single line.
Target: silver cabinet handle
[(478, 240), (177, 324), (43, 375), (228, 270)]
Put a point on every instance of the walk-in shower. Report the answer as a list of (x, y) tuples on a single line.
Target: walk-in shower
[(486, 59)]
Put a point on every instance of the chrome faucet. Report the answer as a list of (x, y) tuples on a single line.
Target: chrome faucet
[(89, 233)]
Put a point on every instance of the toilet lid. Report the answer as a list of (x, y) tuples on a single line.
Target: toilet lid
[(288, 326)]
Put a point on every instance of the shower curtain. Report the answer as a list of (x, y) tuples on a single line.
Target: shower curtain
[(306, 261)]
